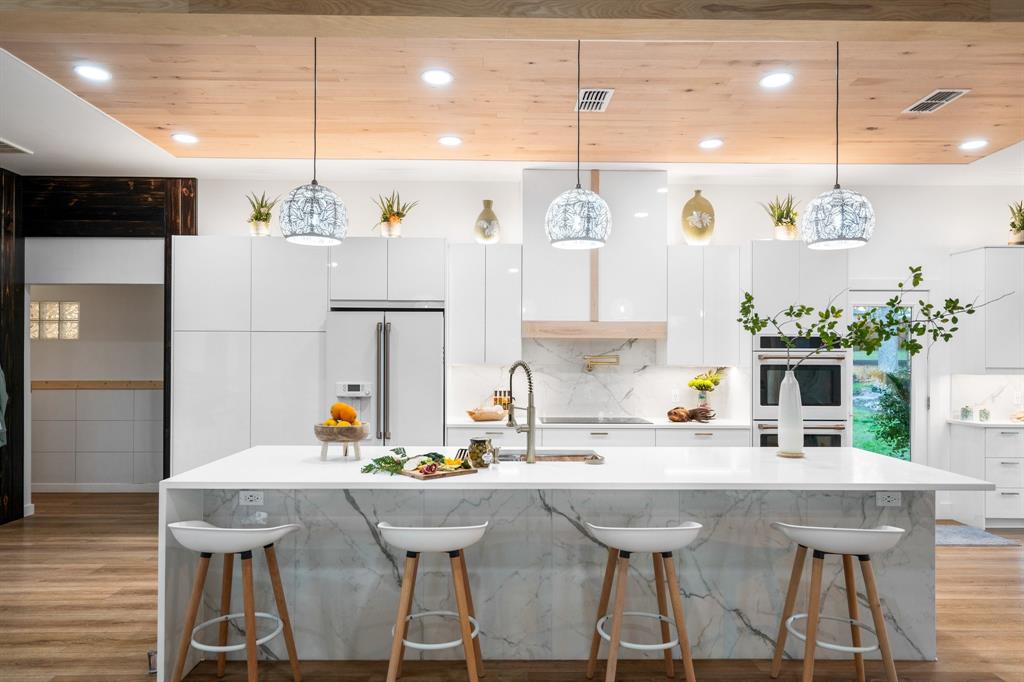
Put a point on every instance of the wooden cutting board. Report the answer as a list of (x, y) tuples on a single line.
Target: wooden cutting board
[(439, 474)]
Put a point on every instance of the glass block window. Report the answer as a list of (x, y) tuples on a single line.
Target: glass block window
[(54, 319)]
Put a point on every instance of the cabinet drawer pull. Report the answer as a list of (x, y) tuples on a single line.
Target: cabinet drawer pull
[(494, 433), (1009, 494), (598, 433), (1012, 464), (1007, 433), (705, 434)]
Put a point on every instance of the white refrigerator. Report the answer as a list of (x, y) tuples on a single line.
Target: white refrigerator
[(400, 353)]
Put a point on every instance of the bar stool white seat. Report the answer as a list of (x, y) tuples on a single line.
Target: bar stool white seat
[(450, 540), (207, 539), (848, 543), (660, 543)]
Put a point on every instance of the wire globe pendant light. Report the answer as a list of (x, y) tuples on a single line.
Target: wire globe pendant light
[(578, 218), (840, 218), (313, 214)]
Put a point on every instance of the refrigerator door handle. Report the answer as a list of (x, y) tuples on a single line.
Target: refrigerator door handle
[(387, 380), (380, 381)]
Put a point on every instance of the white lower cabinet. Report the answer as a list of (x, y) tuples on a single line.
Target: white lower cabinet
[(596, 437), (695, 437), (209, 397), (996, 455), (501, 436), (287, 387)]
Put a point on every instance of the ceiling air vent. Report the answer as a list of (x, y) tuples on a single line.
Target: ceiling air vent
[(594, 99), (935, 101), (8, 147)]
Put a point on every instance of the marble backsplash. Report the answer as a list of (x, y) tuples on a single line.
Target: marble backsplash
[(637, 386), (1002, 394)]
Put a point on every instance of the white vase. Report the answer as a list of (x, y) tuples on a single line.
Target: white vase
[(791, 420)]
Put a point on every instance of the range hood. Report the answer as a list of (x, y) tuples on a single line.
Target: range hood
[(557, 329)]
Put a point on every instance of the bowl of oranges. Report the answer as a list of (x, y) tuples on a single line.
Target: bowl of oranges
[(343, 426)]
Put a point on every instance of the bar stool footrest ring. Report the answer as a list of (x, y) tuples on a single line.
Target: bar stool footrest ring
[(216, 649), (660, 646), (842, 648), (429, 646)]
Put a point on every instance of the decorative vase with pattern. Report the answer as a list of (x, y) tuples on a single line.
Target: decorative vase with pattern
[(487, 229), (698, 220), (791, 419)]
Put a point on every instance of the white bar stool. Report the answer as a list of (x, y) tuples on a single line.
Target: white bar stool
[(660, 543), (848, 542), (207, 539), (452, 541)]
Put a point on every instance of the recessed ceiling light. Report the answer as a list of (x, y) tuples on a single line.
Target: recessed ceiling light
[(450, 140), (185, 138), (437, 77), (663, 190), (711, 143), (92, 72), (971, 145), (641, 214), (777, 79)]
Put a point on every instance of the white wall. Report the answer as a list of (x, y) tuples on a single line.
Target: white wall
[(446, 209), (121, 334)]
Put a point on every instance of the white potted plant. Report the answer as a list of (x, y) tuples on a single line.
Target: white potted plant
[(259, 216), (392, 212), (1017, 223)]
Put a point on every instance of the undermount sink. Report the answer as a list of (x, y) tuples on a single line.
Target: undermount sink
[(551, 455)]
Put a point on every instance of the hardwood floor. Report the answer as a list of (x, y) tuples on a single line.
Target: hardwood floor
[(78, 603)]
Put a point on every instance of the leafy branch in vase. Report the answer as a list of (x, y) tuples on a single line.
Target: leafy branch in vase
[(895, 319)]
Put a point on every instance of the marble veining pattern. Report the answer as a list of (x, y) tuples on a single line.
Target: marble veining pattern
[(537, 573)]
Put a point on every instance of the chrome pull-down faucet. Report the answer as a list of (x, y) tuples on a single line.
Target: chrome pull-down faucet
[(531, 412)]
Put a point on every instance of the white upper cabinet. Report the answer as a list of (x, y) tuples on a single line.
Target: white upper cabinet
[(287, 387), (484, 304), (703, 303), (993, 338), (466, 307), (503, 326), (379, 269), (210, 283), (556, 282), (787, 273), (289, 286), (631, 274)]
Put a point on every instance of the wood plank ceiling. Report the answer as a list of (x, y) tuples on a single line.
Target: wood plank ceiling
[(247, 97)]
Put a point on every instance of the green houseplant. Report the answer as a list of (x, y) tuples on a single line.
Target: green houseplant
[(392, 212), (1017, 223), (783, 214), (259, 216), (705, 383)]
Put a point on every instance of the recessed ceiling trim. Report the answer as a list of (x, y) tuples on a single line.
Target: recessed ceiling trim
[(8, 147)]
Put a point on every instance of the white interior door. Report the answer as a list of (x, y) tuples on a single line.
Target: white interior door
[(414, 369), (353, 345)]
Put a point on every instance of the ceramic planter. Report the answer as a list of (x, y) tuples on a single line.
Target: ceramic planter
[(390, 229), (791, 421), (259, 228), (1016, 238), (787, 233)]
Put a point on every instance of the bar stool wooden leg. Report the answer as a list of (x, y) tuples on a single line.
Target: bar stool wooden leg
[(677, 608), (249, 600), (282, 611), (853, 610), (472, 613), (813, 607), (411, 575), (190, 615), (787, 609), (621, 581), (602, 609), (659, 584), (404, 606), (225, 609), (876, 614), (462, 600)]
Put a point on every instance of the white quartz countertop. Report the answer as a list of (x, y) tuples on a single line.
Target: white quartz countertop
[(656, 423), (626, 468), (987, 425)]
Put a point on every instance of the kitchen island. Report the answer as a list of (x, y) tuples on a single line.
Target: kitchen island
[(536, 574)]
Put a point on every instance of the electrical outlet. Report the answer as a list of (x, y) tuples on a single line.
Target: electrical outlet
[(250, 498), (675, 396), (888, 499)]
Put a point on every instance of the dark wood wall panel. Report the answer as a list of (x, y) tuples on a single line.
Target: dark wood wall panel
[(12, 347), (96, 207)]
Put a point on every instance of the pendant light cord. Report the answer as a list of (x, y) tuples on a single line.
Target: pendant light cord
[(837, 115), (579, 45), (314, 107)]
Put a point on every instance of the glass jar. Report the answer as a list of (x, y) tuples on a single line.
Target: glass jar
[(481, 452)]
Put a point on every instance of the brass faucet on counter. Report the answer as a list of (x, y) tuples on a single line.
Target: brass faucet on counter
[(531, 412)]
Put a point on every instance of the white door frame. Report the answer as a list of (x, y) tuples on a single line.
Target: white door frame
[(919, 397)]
